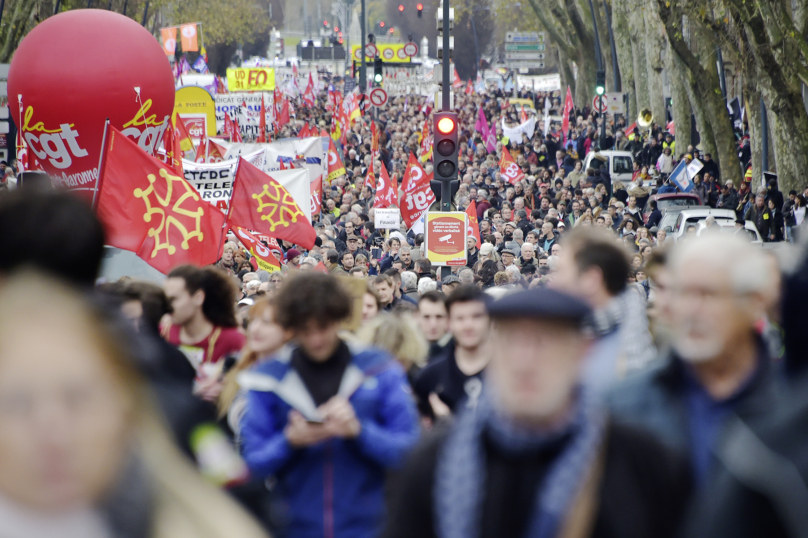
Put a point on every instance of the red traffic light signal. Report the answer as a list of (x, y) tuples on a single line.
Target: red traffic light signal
[(381, 24), (325, 23), (341, 41), (392, 30), (401, 7), (446, 125), (419, 7), (340, 34), (336, 28)]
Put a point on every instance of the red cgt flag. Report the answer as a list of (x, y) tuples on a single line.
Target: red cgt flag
[(335, 166), (316, 195), (568, 106), (387, 190), (262, 204), (261, 254), (474, 227), (148, 209), (509, 169), (416, 193)]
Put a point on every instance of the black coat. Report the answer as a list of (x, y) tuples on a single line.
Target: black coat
[(643, 491), (760, 489)]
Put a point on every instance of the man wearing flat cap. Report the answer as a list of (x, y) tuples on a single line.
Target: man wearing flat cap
[(538, 456)]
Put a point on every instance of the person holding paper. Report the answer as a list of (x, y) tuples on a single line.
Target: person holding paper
[(326, 418)]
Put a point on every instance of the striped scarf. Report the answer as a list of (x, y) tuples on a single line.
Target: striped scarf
[(460, 475)]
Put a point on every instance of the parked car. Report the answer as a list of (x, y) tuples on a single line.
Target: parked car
[(726, 226), (670, 215), (692, 217), (673, 199), (620, 165)]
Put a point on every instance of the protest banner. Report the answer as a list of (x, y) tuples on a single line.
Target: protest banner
[(214, 182), (387, 218), (250, 79), (245, 107)]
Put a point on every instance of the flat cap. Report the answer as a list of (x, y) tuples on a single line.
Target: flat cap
[(540, 303), (451, 279)]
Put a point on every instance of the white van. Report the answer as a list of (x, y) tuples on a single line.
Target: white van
[(621, 165)]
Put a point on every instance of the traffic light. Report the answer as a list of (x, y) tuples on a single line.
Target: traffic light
[(420, 8), (600, 82), (325, 23), (445, 156), (392, 30), (381, 24), (401, 8), (377, 71), (336, 28)]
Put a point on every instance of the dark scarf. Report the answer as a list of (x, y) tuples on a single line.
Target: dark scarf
[(460, 475)]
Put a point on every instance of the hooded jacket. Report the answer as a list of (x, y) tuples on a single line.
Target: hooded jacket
[(335, 488)]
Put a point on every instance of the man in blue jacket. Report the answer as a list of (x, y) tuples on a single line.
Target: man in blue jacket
[(325, 418)]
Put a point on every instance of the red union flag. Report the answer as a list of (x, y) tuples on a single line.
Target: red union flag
[(417, 195), (474, 227), (262, 204), (148, 209), (335, 166), (386, 190), (568, 106), (262, 255), (316, 195), (509, 169)]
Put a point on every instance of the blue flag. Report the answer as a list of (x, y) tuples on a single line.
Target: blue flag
[(200, 66), (680, 177)]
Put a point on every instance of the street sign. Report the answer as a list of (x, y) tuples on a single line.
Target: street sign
[(445, 237), (596, 104), (411, 49), (388, 54), (378, 97), (524, 56), (370, 50), (526, 64), (524, 47), (524, 37), (401, 54)]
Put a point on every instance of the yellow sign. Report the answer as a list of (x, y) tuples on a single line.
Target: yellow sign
[(251, 79), (388, 52), (193, 101), (445, 237)]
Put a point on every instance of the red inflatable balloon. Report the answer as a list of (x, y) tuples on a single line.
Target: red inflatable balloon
[(72, 72)]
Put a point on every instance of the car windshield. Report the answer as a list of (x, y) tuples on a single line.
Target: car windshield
[(622, 165), (671, 202)]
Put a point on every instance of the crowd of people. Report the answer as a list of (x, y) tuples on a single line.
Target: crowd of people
[(581, 375)]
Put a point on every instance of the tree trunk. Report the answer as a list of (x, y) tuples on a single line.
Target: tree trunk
[(585, 85), (565, 68), (788, 134), (681, 102), (752, 97), (707, 142), (636, 29), (625, 57), (654, 45)]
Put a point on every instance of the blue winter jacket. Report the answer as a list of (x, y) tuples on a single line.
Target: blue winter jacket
[(335, 488)]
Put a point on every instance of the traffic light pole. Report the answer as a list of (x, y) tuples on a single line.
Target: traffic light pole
[(447, 64), (363, 80), (446, 186)]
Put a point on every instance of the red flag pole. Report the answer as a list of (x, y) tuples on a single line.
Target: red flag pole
[(100, 163)]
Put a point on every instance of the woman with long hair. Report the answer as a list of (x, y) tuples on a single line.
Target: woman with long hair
[(400, 336), (264, 337)]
